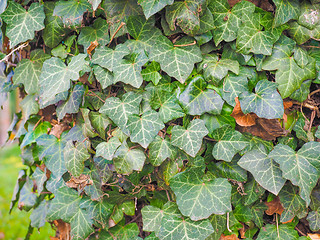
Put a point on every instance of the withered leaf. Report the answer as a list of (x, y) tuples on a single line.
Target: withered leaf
[(92, 46), (228, 237), (63, 230), (244, 120), (274, 207)]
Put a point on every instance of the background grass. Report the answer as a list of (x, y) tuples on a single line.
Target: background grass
[(15, 225)]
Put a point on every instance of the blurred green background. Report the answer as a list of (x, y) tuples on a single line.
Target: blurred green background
[(15, 225)]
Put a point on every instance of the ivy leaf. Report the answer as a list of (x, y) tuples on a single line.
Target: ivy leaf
[(99, 122), (21, 24), (228, 21), (98, 32), (196, 99), (301, 94), (232, 170), (150, 73), (229, 143), (31, 136), (173, 227), (55, 76), (152, 216), (216, 69), (29, 106), (286, 10), (160, 149), (104, 76), (107, 149), (190, 139), (300, 168), (302, 34), (144, 128), (185, 14), (81, 224), (120, 110), (73, 103), (264, 170), (95, 4), (128, 231), (28, 71), (314, 220), (177, 61), (266, 102), (40, 177), (291, 202), (75, 155), (71, 12), (126, 160), (109, 58), (198, 198), (254, 191), (52, 153), (150, 7), (252, 38), (283, 232), (167, 103), (289, 75), (54, 30), (39, 214)]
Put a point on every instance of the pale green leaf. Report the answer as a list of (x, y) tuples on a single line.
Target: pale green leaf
[(301, 168), (143, 129), (314, 220), (286, 10), (264, 170), (28, 71), (126, 160), (73, 103), (98, 32), (22, 24), (107, 149), (95, 4), (190, 139), (75, 155), (233, 85), (283, 232), (120, 110), (81, 224), (99, 122), (229, 142), (71, 11), (55, 75), (150, 7), (302, 34), (177, 61), (104, 76), (266, 102), (198, 198), (196, 99), (29, 106), (151, 73), (39, 214), (160, 149), (309, 15), (40, 177)]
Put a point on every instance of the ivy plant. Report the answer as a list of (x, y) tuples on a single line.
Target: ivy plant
[(165, 119)]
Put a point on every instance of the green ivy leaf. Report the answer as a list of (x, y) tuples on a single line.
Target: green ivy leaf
[(160, 149), (196, 99), (309, 15), (291, 202), (107, 149), (254, 191), (81, 224), (301, 94), (283, 232), (128, 231), (301, 167), (143, 129), (286, 10), (99, 122), (104, 76), (289, 75), (190, 139), (185, 14), (232, 170), (98, 32), (71, 12), (302, 34), (95, 4), (54, 30), (126, 160), (258, 210), (266, 102), (228, 21), (177, 61), (22, 24), (109, 58), (73, 103), (29, 106), (31, 136), (216, 69), (40, 177), (28, 71), (229, 143), (150, 7), (75, 155), (151, 73), (314, 220), (198, 198), (264, 170), (120, 110), (39, 214), (55, 75)]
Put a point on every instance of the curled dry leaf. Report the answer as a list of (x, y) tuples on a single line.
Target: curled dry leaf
[(79, 182), (274, 207), (228, 237), (92, 46), (315, 236), (63, 230), (58, 129), (244, 120)]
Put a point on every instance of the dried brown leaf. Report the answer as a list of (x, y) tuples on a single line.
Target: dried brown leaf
[(274, 207), (315, 236), (63, 230), (228, 237), (92, 46), (79, 182), (244, 120)]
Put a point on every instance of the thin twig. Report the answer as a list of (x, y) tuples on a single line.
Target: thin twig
[(307, 105), (210, 139), (228, 227), (314, 92), (14, 50), (277, 225), (312, 46), (185, 45), (94, 94), (115, 33), (37, 123), (296, 228)]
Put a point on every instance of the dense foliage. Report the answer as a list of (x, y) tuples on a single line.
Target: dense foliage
[(194, 119)]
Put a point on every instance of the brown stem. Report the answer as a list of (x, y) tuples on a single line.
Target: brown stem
[(115, 33), (14, 50), (185, 45), (94, 94), (314, 92)]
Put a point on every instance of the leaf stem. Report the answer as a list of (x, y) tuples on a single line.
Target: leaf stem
[(228, 220), (185, 45), (14, 50), (115, 33)]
